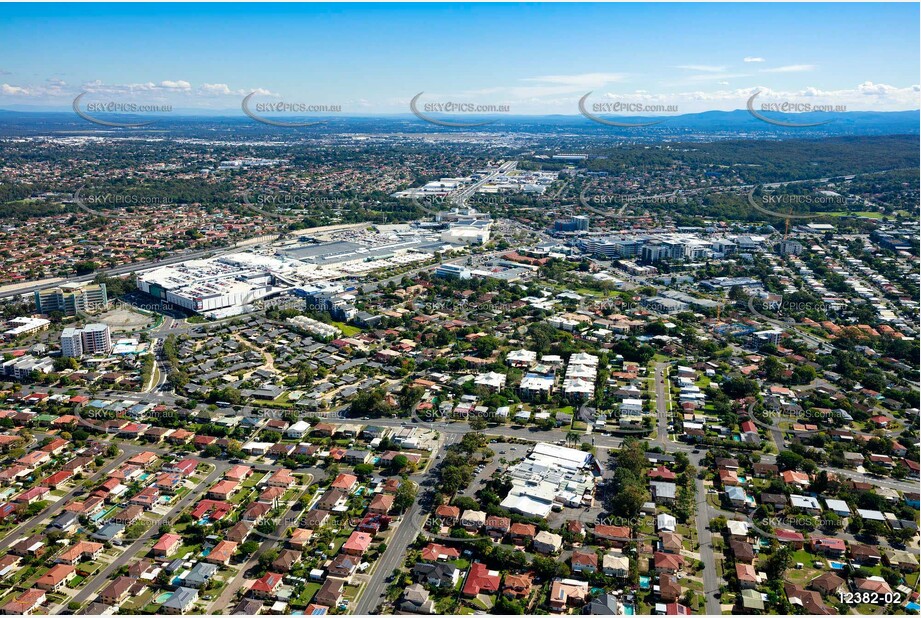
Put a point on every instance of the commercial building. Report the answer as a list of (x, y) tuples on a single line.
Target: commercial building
[(576, 223), (550, 478), (72, 298), (210, 285), (452, 271), (24, 326)]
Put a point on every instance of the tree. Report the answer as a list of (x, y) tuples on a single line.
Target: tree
[(399, 462), (363, 470), (477, 422), (405, 496), (779, 562), (249, 548)]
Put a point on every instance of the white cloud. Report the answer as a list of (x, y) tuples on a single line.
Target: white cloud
[(14, 91), (791, 68), (176, 85), (753, 59)]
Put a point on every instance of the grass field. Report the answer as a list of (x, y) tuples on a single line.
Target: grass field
[(347, 329)]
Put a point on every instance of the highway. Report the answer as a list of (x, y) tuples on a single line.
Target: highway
[(459, 198), (12, 291)]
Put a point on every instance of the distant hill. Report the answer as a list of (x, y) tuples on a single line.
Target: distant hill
[(713, 123)]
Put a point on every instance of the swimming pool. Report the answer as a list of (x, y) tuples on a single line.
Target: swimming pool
[(163, 598), (836, 565), (644, 582), (96, 517), (913, 607), (628, 610)]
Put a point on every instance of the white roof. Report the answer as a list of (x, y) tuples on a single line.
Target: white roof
[(737, 528), (839, 506), (804, 502)]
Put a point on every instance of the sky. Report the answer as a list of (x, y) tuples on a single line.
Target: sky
[(530, 58)]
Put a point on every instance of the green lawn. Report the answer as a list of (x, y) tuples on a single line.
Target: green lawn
[(347, 329), (310, 589)]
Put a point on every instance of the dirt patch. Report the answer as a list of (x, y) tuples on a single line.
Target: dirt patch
[(121, 320)]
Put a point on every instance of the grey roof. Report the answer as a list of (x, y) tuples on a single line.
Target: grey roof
[(182, 598)]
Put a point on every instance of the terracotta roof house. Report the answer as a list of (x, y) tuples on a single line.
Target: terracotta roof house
[(266, 586), (345, 482), (238, 473), (662, 473), (667, 563), (616, 536), (222, 490), (435, 552), (746, 575), (449, 514), (872, 584), (357, 543), (670, 542), (566, 593), (300, 538), (517, 586), (26, 603), (480, 579), (222, 552), (56, 577), (167, 545), (497, 527), (522, 533), (381, 504), (584, 560)]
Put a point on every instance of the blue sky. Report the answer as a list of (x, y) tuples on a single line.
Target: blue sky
[(534, 58)]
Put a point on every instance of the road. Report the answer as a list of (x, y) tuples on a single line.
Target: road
[(223, 602), (134, 267), (22, 530), (459, 198), (102, 577), (662, 402), (406, 532), (711, 582)]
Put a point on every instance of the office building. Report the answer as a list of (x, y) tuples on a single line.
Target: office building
[(452, 271), (72, 298)]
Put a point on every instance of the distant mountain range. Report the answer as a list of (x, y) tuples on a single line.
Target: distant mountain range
[(19, 119)]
